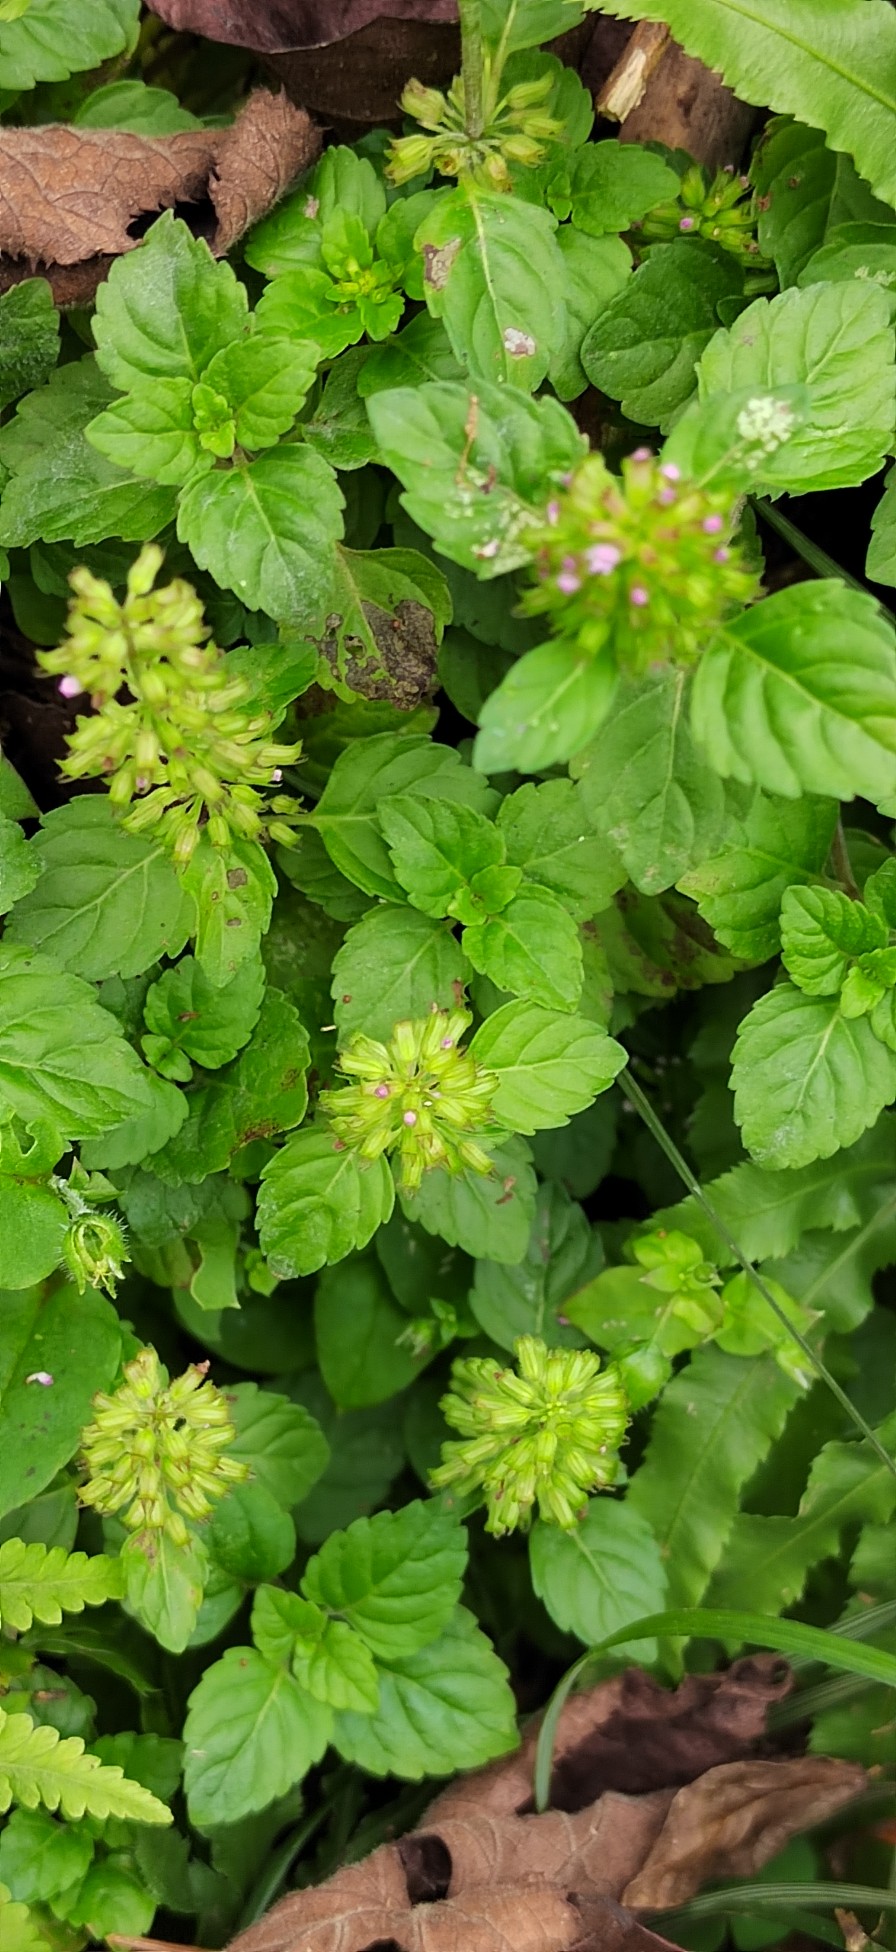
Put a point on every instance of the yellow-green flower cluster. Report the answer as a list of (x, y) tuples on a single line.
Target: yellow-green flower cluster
[(155, 1449), (644, 565), (177, 738), (516, 127), (421, 1098), (548, 1436), (721, 209)]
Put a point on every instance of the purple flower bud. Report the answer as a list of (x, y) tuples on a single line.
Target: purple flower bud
[(687, 223), (638, 596), (70, 687), (666, 497), (602, 558), (382, 1091), (670, 471), (569, 579), (41, 1376), (712, 524), (409, 1118), (641, 454), (447, 1044), (277, 775), (720, 555), (552, 512)]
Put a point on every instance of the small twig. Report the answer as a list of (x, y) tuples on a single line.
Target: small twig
[(641, 56)]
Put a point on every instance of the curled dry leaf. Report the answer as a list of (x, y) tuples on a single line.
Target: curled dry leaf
[(73, 199), (276, 26)]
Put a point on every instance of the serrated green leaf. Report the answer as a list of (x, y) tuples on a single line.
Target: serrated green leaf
[(394, 965), (837, 340), (527, 1299), (597, 269), (448, 1706), (822, 930), (37, 1583), (29, 331), (739, 887), (61, 488), (288, 238), (326, 1656), (358, 1328), (395, 1578), (798, 695), (532, 949), (19, 868), (644, 348), (76, 1340), (607, 1570), (316, 1204), (165, 1584), (366, 774), (613, 185), (546, 834), (263, 1092), (489, 1217), (251, 1733), (21, 1932), (208, 1024), (249, 1536), (548, 1065), (283, 1445), (647, 789), (494, 276), (365, 608), (234, 889), (49, 39), (166, 308), (547, 708), (514, 24), (265, 381), (267, 529), (144, 1133), (880, 562), (134, 105), (437, 847), (83, 1088), (108, 903), (474, 466), (806, 1079), (150, 433), (33, 1223), (37, 1767), (40, 1858), (715, 1423)]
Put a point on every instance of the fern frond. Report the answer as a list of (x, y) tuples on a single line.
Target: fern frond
[(38, 1582), (38, 1768)]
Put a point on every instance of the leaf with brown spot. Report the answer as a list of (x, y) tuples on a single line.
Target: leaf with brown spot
[(71, 199)]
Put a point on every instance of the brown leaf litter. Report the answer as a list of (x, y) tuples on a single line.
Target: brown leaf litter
[(72, 200), (654, 1794), (281, 25)]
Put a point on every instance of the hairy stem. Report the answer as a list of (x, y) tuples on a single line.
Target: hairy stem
[(472, 66)]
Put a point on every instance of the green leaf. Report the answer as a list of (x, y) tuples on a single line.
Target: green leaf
[(806, 1080), (289, 237), (29, 330), (113, 1898), (547, 708), (494, 276), (532, 949), (597, 269), (263, 1092), (40, 1858), (150, 433), (437, 850), (512, 24), (546, 834), (50, 39), (395, 965), (489, 1218), (366, 619), (880, 562), (134, 105), (33, 1222), (830, 70), (61, 488), (358, 1326), (264, 380), (821, 931), (613, 185), (283, 1445), (367, 1452), (644, 348), (166, 308), (646, 787), (317, 1204), (188, 1014), (837, 340), (366, 774), (447, 1707), (165, 1584), (137, 1137), (715, 1422), (798, 695), (251, 1733), (37, 1767), (768, 1559), (108, 903), (37, 1583), (74, 1339), (474, 466), (249, 1535), (528, 1299), (600, 1575), (21, 1931), (83, 1088), (548, 1065), (234, 889), (305, 305), (266, 529), (19, 869), (776, 845), (327, 1656), (395, 1578)]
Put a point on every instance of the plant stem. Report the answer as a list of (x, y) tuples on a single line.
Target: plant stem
[(842, 864), (472, 62)]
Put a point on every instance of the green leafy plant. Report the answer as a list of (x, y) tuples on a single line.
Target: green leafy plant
[(447, 1022)]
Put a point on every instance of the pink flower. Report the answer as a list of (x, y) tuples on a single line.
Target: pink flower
[(41, 1376), (602, 558), (641, 454), (569, 579), (720, 555), (409, 1118), (687, 223), (638, 596), (670, 471), (712, 524), (70, 687)]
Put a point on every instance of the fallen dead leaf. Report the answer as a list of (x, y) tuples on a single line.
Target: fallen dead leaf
[(281, 25), (71, 199)]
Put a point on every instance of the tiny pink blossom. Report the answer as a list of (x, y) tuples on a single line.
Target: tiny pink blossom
[(687, 223), (552, 512), (642, 454), (638, 596), (602, 558), (569, 579), (447, 1044), (41, 1376), (670, 471), (277, 775), (666, 497), (720, 555), (70, 687), (712, 524), (382, 1091), (409, 1118)]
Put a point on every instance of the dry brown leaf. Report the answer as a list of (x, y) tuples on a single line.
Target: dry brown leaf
[(73, 199), (276, 26), (595, 1853), (737, 1818)]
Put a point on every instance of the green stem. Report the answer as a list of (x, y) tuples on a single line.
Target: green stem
[(472, 66), (842, 864), (655, 1125)]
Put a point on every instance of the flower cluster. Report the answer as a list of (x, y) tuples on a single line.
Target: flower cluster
[(420, 1097), (643, 564), (721, 208), (516, 127), (156, 1448), (548, 1436), (177, 738)]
